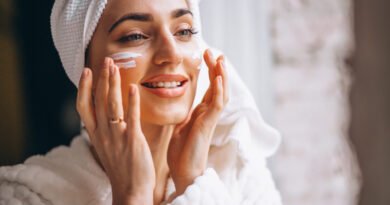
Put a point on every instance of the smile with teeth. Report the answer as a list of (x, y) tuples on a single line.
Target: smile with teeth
[(172, 84)]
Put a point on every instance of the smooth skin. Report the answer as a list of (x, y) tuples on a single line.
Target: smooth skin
[(151, 143)]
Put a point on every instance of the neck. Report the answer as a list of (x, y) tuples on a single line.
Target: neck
[(158, 138)]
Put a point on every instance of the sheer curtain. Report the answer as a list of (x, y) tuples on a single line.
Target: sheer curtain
[(311, 40), (240, 29)]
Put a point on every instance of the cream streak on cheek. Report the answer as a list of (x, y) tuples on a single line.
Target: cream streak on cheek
[(195, 55), (125, 60), (198, 56)]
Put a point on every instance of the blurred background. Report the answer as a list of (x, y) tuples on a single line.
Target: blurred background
[(318, 70)]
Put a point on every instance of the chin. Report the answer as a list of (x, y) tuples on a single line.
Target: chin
[(171, 115)]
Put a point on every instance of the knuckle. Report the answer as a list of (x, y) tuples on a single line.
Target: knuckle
[(133, 117), (105, 73), (218, 106), (132, 129), (105, 142), (133, 132), (91, 133), (93, 130), (80, 106), (112, 105)]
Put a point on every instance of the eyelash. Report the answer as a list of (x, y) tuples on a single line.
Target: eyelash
[(138, 36), (130, 38), (191, 31)]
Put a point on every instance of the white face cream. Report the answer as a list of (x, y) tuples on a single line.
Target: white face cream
[(125, 60), (196, 55)]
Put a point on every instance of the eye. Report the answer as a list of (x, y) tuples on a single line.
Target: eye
[(132, 38), (186, 34)]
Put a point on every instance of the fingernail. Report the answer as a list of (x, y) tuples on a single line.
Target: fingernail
[(85, 73)]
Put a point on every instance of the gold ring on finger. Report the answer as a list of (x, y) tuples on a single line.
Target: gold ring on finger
[(116, 121)]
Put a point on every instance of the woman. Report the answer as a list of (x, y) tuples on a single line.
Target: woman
[(145, 140)]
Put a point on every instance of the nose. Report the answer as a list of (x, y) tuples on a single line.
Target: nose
[(167, 53)]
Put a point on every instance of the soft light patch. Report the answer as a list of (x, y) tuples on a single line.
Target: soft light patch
[(125, 60), (196, 55)]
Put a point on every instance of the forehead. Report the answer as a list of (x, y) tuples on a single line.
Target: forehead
[(117, 8)]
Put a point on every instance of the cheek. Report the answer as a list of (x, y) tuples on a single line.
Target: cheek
[(192, 53), (192, 59), (129, 76), (135, 70)]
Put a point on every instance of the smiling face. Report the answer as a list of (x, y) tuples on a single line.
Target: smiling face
[(155, 45)]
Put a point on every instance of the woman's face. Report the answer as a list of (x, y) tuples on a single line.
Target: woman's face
[(162, 36)]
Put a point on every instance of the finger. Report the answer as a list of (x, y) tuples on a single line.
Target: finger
[(209, 59), (101, 95), (207, 96), (213, 72), (115, 108), (133, 115), (219, 60), (217, 101), (210, 62), (184, 127), (84, 101), (221, 70)]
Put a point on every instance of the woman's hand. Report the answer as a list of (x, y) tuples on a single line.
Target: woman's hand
[(119, 143), (189, 146)]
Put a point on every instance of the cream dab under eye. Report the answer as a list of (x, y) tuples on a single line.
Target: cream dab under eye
[(196, 56), (125, 60)]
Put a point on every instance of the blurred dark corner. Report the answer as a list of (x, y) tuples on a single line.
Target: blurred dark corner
[(37, 110), (370, 99)]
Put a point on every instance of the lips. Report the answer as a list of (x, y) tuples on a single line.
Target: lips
[(165, 77), (166, 85)]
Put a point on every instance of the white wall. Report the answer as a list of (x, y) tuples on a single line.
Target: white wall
[(311, 41), (240, 29)]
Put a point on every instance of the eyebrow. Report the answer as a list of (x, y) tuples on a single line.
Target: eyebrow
[(132, 17), (145, 17), (181, 12)]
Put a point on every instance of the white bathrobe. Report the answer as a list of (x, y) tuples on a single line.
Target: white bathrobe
[(71, 176)]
